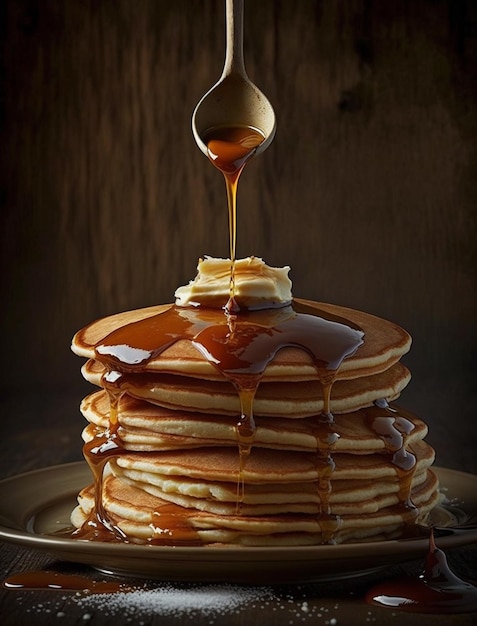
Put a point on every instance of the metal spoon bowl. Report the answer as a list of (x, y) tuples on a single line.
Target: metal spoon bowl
[(234, 100)]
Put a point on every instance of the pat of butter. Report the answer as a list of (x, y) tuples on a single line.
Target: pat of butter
[(257, 285)]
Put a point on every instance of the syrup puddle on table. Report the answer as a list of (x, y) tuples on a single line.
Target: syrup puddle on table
[(436, 590), (56, 581)]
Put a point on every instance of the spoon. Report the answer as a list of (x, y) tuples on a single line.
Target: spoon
[(234, 100)]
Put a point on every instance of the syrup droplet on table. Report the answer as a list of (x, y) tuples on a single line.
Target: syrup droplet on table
[(436, 590)]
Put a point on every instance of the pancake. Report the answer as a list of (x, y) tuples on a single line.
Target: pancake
[(271, 484), (148, 427), (385, 344), (346, 493), (284, 399), (355, 503), (265, 466)]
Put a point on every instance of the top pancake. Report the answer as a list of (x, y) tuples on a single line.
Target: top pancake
[(384, 344)]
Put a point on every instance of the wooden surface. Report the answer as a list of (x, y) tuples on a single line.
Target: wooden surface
[(368, 191)]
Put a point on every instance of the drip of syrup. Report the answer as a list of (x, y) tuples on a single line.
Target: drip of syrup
[(393, 427), (98, 452), (436, 590), (229, 148), (326, 438)]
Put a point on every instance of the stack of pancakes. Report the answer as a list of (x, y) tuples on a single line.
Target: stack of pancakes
[(311, 473)]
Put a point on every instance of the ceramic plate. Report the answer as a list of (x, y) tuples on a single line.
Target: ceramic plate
[(37, 504)]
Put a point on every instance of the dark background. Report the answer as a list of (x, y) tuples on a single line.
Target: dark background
[(369, 190)]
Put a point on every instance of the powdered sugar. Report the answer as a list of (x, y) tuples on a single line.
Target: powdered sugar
[(173, 600), (190, 603)]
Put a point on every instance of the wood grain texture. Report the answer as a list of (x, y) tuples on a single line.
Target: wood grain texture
[(368, 190)]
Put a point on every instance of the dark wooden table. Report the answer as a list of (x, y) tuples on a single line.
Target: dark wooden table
[(45, 430)]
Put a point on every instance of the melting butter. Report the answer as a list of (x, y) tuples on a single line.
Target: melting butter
[(257, 285)]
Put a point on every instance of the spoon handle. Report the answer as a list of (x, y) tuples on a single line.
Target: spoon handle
[(234, 63)]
